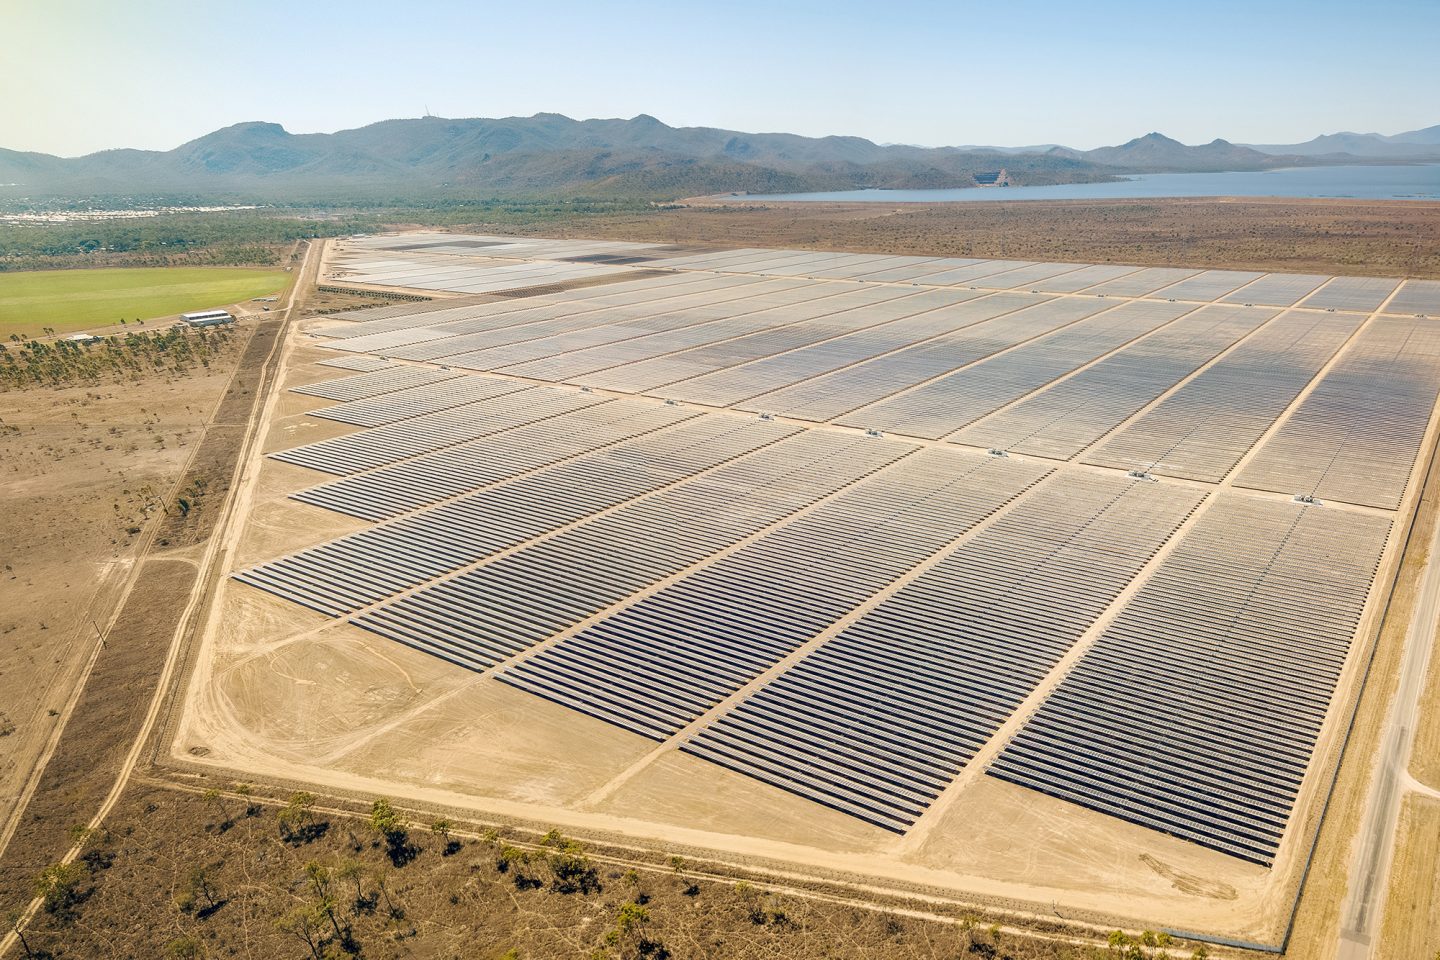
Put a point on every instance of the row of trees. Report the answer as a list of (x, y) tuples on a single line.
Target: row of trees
[(176, 351), (335, 901)]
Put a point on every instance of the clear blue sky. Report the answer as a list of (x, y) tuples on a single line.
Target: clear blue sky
[(83, 75)]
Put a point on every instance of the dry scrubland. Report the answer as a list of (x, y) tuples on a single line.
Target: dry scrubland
[(88, 473), (119, 458), (189, 874), (1395, 238), (1412, 918)]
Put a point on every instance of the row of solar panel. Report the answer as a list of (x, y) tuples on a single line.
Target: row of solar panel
[(878, 720), (1355, 437), (662, 662), (366, 567), (1203, 429), (511, 404), (480, 616), (1196, 712), (429, 478), (1379, 441)]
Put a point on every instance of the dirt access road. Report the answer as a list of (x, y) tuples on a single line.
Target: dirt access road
[(1375, 845), (205, 563)]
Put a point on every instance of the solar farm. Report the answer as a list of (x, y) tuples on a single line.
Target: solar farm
[(1044, 582)]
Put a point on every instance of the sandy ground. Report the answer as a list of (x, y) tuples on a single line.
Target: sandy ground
[(82, 470), (1425, 760), (1412, 917)]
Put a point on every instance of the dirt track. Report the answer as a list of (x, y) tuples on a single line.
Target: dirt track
[(113, 714)]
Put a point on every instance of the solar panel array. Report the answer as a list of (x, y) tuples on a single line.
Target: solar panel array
[(483, 615), (1197, 710), (1201, 431), (363, 568), (1068, 416), (1355, 437), (878, 720), (696, 644), (950, 533)]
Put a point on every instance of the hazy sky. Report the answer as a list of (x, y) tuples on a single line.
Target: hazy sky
[(84, 75)]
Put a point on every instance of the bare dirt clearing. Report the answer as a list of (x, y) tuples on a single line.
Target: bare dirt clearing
[(86, 470)]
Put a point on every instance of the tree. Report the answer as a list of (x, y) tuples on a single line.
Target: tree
[(382, 890), (629, 929), (297, 823), (384, 819), (393, 831), (201, 886), (215, 798), (17, 926), (305, 923), (244, 790), (569, 865), (441, 828), (354, 872), (58, 886)]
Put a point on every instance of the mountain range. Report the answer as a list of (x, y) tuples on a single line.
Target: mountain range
[(1416, 144), (549, 154)]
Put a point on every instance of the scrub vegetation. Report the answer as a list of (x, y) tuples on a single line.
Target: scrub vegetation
[(224, 873)]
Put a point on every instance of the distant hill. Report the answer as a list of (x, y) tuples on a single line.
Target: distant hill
[(550, 154), (546, 153), (1415, 145), (1155, 151)]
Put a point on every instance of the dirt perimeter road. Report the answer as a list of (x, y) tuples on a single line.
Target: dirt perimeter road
[(1375, 846), (101, 742)]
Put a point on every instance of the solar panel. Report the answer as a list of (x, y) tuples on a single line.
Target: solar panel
[(1356, 436), (1254, 614), (659, 664), (480, 617), (1201, 431), (877, 721)]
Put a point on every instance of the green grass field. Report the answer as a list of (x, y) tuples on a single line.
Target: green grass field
[(70, 300)]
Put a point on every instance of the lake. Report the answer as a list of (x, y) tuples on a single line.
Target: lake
[(1366, 182)]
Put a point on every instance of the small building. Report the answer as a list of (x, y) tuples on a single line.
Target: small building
[(206, 318), (83, 338)]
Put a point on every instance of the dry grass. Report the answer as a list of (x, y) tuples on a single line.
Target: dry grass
[(85, 473), (1425, 759), (423, 897), (1393, 238), (1412, 913)]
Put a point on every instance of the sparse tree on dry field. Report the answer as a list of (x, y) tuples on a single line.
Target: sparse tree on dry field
[(215, 798), (306, 924), (296, 819), (382, 889), (58, 886), (628, 933), (244, 790), (441, 828), (202, 887), (354, 872), (394, 831), (15, 925)]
